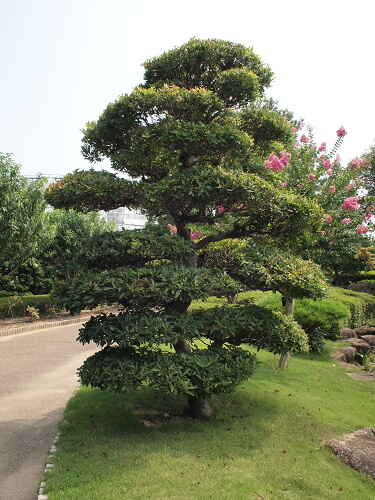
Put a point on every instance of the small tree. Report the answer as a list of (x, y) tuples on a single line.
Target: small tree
[(191, 147), (68, 235), (21, 208), (340, 190)]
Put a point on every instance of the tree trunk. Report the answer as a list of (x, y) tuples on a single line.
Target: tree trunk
[(285, 356), (199, 408), (232, 299), (284, 361)]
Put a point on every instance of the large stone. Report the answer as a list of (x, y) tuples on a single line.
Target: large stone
[(370, 339), (347, 333), (361, 346), (364, 330), (346, 354), (357, 450)]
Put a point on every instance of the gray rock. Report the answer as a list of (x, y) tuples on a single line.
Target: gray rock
[(346, 354), (370, 339), (361, 346), (347, 333), (364, 330), (357, 450)]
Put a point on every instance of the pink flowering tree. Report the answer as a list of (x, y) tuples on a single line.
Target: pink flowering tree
[(189, 142), (318, 173)]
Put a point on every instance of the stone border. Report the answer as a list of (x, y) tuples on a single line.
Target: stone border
[(49, 467), (41, 326)]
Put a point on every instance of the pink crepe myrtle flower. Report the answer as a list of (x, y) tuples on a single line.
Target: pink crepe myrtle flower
[(322, 232), (350, 203), (173, 229), (361, 229), (368, 216), (355, 163), (221, 209), (332, 189), (323, 147), (312, 177), (341, 132), (304, 138), (328, 218), (327, 164), (321, 157), (197, 235), (274, 163), (284, 183), (329, 172), (285, 158), (330, 243), (346, 221), (348, 187)]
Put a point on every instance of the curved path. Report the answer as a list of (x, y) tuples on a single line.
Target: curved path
[(37, 378)]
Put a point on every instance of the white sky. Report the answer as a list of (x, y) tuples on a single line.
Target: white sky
[(63, 61)]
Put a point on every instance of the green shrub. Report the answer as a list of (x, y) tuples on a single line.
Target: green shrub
[(13, 307), (361, 306), (319, 318)]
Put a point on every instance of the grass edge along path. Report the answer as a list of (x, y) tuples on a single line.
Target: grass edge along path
[(264, 441)]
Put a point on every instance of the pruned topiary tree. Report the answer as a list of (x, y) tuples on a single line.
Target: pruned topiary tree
[(192, 154)]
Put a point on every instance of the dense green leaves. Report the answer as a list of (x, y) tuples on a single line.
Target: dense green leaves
[(201, 63), (21, 209), (253, 325), (91, 190), (200, 374), (144, 288), (193, 142)]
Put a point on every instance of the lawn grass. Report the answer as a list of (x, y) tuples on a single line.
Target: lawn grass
[(264, 441)]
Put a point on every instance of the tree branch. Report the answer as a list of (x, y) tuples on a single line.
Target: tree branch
[(236, 232)]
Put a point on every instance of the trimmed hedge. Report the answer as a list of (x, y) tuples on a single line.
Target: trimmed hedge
[(367, 286), (319, 318), (361, 306), (15, 306)]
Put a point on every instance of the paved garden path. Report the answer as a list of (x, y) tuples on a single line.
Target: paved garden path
[(37, 378)]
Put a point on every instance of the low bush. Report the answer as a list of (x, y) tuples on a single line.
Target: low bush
[(320, 319), (13, 307), (361, 306)]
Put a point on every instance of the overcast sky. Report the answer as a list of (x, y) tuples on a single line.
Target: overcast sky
[(63, 61)]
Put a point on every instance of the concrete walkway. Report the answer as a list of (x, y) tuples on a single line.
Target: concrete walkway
[(37, 378)]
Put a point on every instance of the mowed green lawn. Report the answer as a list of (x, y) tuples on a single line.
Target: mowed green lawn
[(265, 441)]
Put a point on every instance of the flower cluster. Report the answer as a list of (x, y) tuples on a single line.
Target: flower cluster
[(328, 218), (355, 163), (350, 203), (275, 163), (362, 229), (341, 132), (194, 236)]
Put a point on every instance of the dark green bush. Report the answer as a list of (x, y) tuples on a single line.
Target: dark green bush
[(365, 286), (15, 306)]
